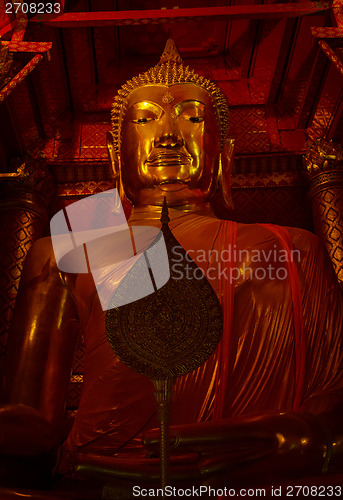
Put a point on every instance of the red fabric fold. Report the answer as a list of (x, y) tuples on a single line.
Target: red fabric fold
[(299, 331)]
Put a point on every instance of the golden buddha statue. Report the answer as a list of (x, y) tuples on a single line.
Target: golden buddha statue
[(268, 402)]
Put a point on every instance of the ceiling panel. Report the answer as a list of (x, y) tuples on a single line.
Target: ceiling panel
[(269, 67)]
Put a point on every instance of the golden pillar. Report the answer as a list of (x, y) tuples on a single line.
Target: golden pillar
[(23, 219), (324, 167)]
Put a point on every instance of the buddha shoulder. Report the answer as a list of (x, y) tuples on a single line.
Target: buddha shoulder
[(257, 235), (41, 259), (270, 251)]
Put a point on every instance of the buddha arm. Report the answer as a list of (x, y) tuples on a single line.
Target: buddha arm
[(42, 341), (284, 444)]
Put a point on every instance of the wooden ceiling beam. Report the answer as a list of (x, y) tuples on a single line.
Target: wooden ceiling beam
[(327, 32), (334, 58), (337, 9), (251, 48), (313, 91), (19, 30), (335, 119), (162, 16), (39, 47), (289, 38), (7, 89)]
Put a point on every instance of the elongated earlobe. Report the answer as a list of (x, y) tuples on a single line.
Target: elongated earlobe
[(112, 156), (115, 164), (224, 172)]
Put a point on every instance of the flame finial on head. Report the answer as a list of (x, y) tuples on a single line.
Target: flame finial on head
[(170, 54)]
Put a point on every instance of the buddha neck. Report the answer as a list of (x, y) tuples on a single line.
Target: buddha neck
[(153, 212)]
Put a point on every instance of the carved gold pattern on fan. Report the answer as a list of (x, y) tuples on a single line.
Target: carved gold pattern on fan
[(175, 329)]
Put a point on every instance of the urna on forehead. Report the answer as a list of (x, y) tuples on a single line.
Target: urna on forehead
[(170, 72)]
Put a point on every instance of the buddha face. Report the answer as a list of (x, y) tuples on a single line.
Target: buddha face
[(170, 145)]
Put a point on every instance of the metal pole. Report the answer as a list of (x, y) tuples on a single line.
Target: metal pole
[(164, 394)]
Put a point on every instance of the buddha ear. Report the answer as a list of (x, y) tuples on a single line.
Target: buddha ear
[(115, 165), (224, 172), (113, 156)]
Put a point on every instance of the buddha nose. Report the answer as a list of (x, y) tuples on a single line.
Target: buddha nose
[(169, 134)]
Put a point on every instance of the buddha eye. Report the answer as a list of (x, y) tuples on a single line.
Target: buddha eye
[(196, 119), (142, 120)]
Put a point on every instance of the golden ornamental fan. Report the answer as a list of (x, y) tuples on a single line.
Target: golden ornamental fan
[(169, 332)]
